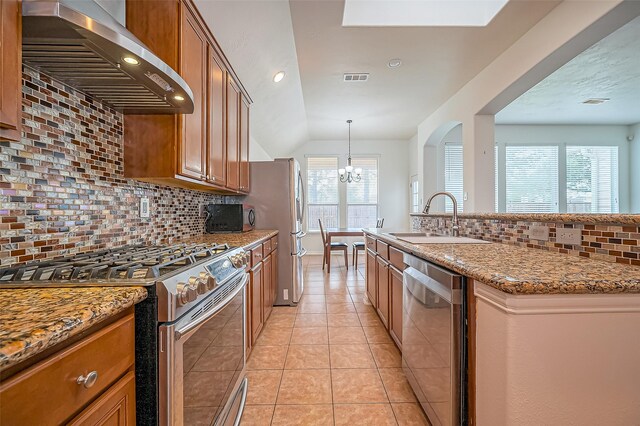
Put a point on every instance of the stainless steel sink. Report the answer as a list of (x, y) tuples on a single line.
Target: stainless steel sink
[(401, 235), (432, 238)]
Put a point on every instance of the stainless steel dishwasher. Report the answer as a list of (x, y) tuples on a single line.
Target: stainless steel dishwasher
[(434, 340)]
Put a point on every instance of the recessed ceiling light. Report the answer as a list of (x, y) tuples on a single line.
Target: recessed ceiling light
[(595, 101), (178, 98), (394, 63), (278, 76), (131, 60)]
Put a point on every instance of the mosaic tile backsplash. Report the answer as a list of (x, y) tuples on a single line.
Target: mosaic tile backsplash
[(618, 243), (63, 188)]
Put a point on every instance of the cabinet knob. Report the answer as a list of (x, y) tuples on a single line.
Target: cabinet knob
[(88, 380)]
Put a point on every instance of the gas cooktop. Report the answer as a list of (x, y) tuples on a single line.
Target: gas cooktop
[(127, 265)]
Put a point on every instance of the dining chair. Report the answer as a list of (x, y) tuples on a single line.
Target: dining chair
[(334, 246), (359, 245)]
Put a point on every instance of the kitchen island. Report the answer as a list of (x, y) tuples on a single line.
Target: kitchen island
[(549, 335)]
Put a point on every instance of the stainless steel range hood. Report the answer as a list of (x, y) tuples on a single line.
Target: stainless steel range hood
[(80, 44)]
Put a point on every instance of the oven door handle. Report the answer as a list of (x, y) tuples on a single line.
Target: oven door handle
[(193, 325)]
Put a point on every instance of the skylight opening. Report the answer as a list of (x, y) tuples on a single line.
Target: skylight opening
[(420, 13)]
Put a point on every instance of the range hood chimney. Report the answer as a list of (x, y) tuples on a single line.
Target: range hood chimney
[(80, 44)]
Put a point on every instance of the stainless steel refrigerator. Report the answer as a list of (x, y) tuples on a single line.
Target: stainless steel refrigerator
[(277, 195)]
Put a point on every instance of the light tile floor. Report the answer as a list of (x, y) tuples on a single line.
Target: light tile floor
[(328, 361)]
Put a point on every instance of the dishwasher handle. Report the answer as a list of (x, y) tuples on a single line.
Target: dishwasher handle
[(417, 283)]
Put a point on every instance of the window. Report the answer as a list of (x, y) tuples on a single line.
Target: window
[(415, 195), (322, 190), (362, 197), (453, 175), (592, 179), (532, 179)]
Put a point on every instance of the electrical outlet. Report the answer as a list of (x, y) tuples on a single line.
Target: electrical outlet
[(569, 236), (144, 207), (286, 294), (539, 232)]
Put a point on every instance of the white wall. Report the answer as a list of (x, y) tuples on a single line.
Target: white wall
[(393, 179), (634, 160), (567, 30), (257, 152)]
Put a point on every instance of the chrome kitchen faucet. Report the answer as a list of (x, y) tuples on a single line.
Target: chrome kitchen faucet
[(455, 228)]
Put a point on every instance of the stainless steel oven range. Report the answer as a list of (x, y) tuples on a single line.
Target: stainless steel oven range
[(190, 331)]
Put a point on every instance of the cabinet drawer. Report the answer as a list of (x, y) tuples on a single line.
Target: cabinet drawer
[(371, 243), (395, 256), (117, 406), (382, 249), (256, 255), (266, 248), (49, 393), (274, 242)]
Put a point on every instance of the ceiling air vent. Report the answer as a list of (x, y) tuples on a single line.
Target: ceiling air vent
[(356, 76)]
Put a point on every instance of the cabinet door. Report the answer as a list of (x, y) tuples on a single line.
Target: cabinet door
[(193, 68), (256, 302), (371, 282), (382, 274), (274, 275), (244, 145), (217, 145), (233, 135), (10, 69), (248, 297), (267, 266), (116, 407), (395, 316)]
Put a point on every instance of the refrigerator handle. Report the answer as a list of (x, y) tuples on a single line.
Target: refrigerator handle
[(302, 205)]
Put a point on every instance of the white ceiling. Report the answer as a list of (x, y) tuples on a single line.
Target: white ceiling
[(307, 40), (257, 38), (608, 69)]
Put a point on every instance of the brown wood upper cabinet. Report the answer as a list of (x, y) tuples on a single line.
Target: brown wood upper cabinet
[(202, 150), (10, 69), (193, 68), (244, 145), (217, 146), (233, 135)]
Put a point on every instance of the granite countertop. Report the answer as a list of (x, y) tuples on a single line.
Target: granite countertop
[(235, 239), (35, 319), (591, 218), (521, 270)]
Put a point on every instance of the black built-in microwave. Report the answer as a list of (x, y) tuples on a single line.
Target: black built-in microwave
[(229, 218)]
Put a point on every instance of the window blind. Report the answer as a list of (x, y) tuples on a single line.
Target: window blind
[(362, 197), (453, 183), (532, 179), (322, 192), (592, 179)]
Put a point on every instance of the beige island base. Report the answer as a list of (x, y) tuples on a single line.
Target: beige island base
[(557, 359)]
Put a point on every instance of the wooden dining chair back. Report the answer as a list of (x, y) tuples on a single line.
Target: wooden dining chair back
[(359, 245), (326, 249)]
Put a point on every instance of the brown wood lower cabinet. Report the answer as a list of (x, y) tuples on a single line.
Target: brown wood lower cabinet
[(261, 290), (52, 391), (395, 317), (116, 407), (382, 278), (256, 302), (267, 276), (371, 281)]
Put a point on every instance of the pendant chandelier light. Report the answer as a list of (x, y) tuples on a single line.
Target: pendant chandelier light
[(349, 174)]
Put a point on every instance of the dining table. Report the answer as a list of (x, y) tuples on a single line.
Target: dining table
[(338, 232)]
